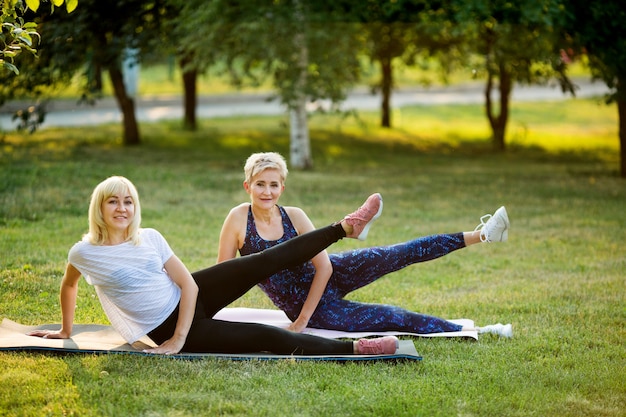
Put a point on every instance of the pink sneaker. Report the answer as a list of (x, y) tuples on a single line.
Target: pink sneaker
[(362, 219), (380, 346)]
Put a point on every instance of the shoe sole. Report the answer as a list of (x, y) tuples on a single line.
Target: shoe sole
[(366, 229)]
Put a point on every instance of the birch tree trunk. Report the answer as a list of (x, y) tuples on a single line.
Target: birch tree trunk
[(299, 142)]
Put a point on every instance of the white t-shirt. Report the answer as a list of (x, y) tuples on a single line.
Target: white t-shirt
[(134, 289)]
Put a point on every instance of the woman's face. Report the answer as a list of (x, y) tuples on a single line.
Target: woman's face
[(118, 211), (265, 188)]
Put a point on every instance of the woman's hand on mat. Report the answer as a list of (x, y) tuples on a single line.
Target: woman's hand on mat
[(49, 334), (169, 347), (298, 326)]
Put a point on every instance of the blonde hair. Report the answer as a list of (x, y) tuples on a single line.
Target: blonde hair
[(115, 185), (259, 162)]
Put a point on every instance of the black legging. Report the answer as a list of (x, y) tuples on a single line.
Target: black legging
[(225, 282)]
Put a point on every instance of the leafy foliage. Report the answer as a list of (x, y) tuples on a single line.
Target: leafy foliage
[(596, 29), (20, 34), (519, 44), (255, 48)]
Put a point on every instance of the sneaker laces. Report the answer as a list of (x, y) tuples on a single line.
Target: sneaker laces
[(360, 214), (483, 223)]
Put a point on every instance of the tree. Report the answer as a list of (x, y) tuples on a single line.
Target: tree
[(101, 33), (596, 29), (517, 43), (104, 33), (387, 41), (391, 30), (190, 91), (181, 15), (299, 45), (299, 141), (19, 34), (40, 68), (411, 31)]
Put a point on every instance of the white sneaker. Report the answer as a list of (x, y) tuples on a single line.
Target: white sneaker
[(496, 229), (504, 330)]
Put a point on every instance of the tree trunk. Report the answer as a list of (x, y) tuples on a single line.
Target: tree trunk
[(299, 143), (190, 76), (97, 78), (127, 106), (621, 114), (498, 122), (386, 86)]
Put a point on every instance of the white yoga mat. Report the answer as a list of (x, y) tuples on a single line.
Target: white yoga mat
[(279, 319)]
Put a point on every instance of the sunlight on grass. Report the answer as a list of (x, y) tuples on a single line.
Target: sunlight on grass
[(583, 125), (34, 377)]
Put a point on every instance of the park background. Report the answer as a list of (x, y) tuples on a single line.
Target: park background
[(559, 279)]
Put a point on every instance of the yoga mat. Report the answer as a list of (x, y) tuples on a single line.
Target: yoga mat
[(279, 318), (102, 339)]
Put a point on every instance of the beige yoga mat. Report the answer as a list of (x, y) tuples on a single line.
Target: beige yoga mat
[(94, 338)]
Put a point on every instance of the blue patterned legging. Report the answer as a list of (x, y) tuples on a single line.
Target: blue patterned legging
[(357, 268)]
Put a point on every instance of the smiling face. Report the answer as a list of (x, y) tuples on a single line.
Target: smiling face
[(265, 188), (114, 212), (118, 212)]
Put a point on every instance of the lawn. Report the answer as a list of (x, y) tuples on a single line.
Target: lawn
[(559, 279)]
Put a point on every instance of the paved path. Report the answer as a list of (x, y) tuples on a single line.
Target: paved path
[(69, 113)]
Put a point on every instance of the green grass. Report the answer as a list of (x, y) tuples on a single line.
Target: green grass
[(559, 279)]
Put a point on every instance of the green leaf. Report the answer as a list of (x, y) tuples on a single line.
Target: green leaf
[(71, 5), (33, 4), (10, 67), (25, 37)]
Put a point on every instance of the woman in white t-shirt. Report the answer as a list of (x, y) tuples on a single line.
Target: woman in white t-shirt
[(145, 289)]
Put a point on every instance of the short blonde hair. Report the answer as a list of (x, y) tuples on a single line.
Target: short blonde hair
[(115, 185), (259, 162)]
